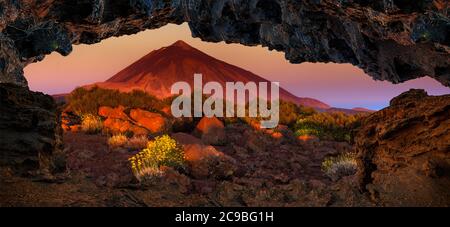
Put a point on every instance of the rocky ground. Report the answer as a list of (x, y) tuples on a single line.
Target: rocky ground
[(403, 160), (253, 169)]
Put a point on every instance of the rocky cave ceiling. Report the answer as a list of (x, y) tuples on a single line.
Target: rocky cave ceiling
[(394, 40)]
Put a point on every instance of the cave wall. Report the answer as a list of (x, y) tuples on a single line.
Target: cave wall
[(30, 132), (404, 151), (394, 40)]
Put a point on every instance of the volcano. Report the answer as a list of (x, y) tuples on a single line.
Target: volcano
[(157, 71)]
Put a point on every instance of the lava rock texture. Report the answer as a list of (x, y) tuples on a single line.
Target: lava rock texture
[(30, 132), (394, 40), (404, 151)]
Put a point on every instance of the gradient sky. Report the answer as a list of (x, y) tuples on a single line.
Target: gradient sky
[(339, 85)]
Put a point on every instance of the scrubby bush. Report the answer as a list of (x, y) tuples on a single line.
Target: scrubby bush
[(118, 140), (91, 124), (163, 151), (137, 142), (334, 126), (307, 132), (291, 112), (87, 101), (340, 166)]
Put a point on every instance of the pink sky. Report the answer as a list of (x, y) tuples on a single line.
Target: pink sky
[(340, 85)]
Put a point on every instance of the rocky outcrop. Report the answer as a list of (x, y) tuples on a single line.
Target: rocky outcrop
[(154, 122), (211, 130), (404, 151), (393, 40), (205, 161), (118, 122), (30, 131)]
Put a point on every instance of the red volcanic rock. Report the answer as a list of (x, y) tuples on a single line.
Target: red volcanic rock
[(117, 121), (186, 139), (75, 128), (115, 126), (154, 122), (109, 112), (306, 138), (205, 161), (212, 131), (404, 151), (277, 135)]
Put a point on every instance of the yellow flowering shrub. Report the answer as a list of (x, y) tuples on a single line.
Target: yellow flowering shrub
[(163, 151)]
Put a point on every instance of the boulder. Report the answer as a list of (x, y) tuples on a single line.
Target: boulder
[(205, 161), (115, 113), (115, 126), (404, 151), (154, 122), (211, 130)]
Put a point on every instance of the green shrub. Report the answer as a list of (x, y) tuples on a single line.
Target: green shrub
[(87, 101), (91, 124), (163, 151), (332, 126)]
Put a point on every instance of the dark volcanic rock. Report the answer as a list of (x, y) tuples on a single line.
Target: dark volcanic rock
[(404, 151), (30, 131), (391, 40)]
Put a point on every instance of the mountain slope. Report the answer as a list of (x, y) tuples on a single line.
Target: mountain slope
[(156, 72)]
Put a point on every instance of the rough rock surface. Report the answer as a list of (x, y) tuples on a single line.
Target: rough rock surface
[(393, 40), (404, 151), (117, 121), (154, 122), (205, 161), (211, 130), (30, 131)]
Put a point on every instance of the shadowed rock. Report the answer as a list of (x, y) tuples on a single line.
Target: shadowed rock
[(404, 151), (30, 131)]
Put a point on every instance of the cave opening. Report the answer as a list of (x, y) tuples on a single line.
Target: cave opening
[(95, 63)]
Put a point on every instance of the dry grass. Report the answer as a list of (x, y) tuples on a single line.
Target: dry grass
[(91, 124), (340, 166), (117, 141), (137, 143)]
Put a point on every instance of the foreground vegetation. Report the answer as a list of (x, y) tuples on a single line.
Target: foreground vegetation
[(163, 151)]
